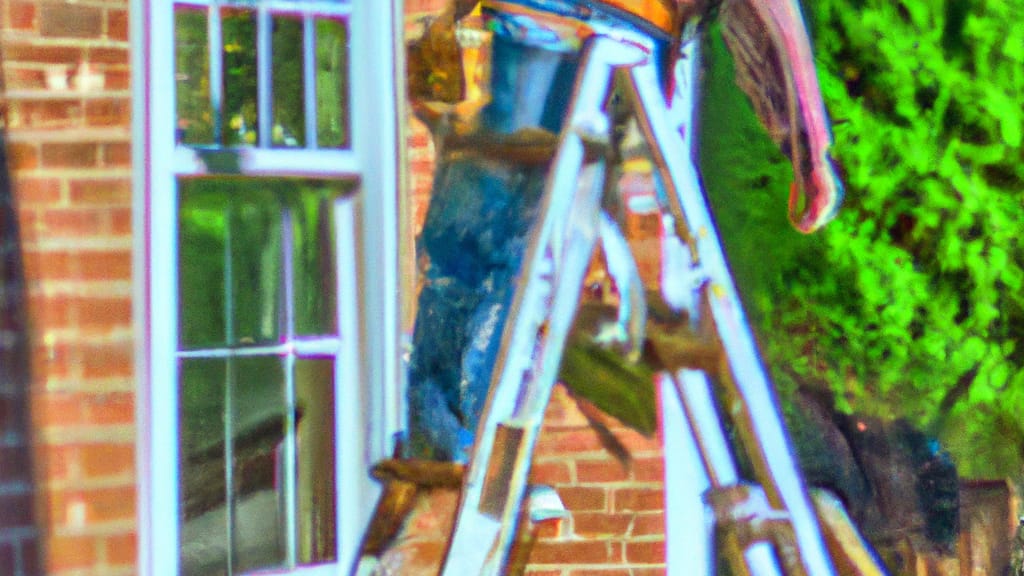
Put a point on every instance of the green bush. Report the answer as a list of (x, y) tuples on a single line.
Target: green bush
[(910, 303)]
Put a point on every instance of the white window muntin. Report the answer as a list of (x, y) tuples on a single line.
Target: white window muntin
[(373, 214)]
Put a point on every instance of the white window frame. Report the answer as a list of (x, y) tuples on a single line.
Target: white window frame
[(369, 400)]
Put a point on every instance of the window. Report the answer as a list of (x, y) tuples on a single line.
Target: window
[(267, 220)]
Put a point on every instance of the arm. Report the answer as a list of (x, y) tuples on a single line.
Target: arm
[(775, 68)]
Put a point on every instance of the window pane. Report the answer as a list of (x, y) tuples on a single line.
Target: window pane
[(314, 391), (256, 258), (231, 234), (313, 260), (289, 112), (332, 83), (204, 538), (239, 32), (192, 76), (201, 264), (259, 432)]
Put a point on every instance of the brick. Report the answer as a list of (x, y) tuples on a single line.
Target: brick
[(57, 461), (109, 504), (583, 499), (109, 409), (551, 473), (601, 524), (22, 15), (106, 460), (106, 265), (74, 222), (58, 410), (118, 79), (530, 572), (649, 469), (117, 154), (33, 191), (17, 510), (108, 112), (121, 549), (102, 314), (648, 524), (28, 221), (106, 361), (49, 312), (109, 56), (590, 471), (601, 572), (65, 20), (117, 24), (22, 156), (70, 155), (101, 191), (44, 266), (14, 465), (637, 443), (575, 552), (51, 362), (120, 221), (46, 114), (70, 552), (645, 552), (80, 508), (561, 442), (30, 53), (638, 499), (19, 78)]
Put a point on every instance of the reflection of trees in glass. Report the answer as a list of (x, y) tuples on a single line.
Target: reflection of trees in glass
[(912, 302), (239, 31), (289, 127), (257, 267), (331, 83), (328, 87), (192, 77)]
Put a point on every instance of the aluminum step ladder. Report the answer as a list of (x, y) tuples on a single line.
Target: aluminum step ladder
[(766, 528)]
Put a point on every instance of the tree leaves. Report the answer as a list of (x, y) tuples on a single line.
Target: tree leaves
[(919, 281)]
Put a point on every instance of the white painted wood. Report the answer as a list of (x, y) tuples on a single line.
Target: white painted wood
[(155, 281), (368, 398)]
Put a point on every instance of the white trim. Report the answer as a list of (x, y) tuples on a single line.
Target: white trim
[(155, 280), (319, 163), (319, 7), (366, 352), (349, 397)]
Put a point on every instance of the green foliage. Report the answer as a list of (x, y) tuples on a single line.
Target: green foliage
[(910, 303)]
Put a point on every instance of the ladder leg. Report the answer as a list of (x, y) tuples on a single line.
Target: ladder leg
[(539, 321), (668, 130)]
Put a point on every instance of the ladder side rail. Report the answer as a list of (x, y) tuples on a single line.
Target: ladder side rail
[(479, 540), (772, 454), (529, 414)]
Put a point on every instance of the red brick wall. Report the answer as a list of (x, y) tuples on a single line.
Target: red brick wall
[(617, 526), (70, 158)]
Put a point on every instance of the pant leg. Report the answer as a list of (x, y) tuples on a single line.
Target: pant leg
[(476, 229)]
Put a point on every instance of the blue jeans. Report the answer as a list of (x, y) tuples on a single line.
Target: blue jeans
[(475, 234), (476, 229)]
